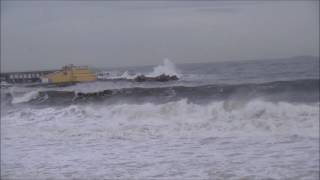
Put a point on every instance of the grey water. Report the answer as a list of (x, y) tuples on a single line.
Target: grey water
[(255, 119)]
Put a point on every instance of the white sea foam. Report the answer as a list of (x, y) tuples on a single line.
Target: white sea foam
[(114, 76), (232, 139), (184, 119), (179, 140), (25, 97), (127, 75), (167, 68)]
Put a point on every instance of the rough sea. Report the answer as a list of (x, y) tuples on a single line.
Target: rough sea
[(223, 120)]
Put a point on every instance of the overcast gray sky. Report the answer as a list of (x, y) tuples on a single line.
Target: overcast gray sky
[(47, 35)]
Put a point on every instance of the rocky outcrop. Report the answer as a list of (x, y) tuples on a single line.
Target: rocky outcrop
[(161, 78)]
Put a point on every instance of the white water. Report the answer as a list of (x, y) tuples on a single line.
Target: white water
[(24, 97), (167, 68), (177, 140), (185, 119), (229, 139), (115, 75)]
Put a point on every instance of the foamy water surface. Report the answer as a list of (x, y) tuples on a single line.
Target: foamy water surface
[(234, 137)]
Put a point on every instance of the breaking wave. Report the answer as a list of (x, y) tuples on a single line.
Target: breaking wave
[(179, 119), (25, 97), (290, 91)]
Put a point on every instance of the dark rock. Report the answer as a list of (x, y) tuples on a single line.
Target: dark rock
[(161, 78), (140, 78)]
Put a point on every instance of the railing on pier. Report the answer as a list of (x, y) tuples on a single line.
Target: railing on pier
[(24, 77)]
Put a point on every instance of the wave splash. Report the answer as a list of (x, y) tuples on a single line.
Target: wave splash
[(22, 98), (167, 68)]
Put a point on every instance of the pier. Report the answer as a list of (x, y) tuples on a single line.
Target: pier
[(24, 77)]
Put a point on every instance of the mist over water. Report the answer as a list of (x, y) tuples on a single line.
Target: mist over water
[(227, 120)]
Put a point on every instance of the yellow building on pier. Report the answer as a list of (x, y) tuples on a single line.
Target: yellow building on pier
[(70, 74)]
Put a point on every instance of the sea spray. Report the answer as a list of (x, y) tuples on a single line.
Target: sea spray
[(167, 68), (26, 97)]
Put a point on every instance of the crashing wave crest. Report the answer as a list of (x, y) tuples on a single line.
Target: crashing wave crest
[(25, 97), (178, 119)]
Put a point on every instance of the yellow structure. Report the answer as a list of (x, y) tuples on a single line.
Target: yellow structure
[(70, 74)]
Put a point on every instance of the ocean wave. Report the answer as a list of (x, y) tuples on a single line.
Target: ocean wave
[(178, 119), (291, 91), (25, 97)]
